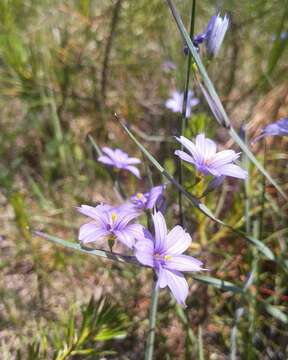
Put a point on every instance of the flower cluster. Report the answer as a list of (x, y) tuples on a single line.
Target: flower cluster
[(164, 251)]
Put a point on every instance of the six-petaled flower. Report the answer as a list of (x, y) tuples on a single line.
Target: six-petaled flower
[(120, 160), (109, 222), (175, 103), (207, 161), (164, 253)]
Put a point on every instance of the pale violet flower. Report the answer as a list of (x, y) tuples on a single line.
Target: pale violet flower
[(214, 34), (120, 160), (175, 103), (109, 222), (164, 253), (207, 161), (147, 200), (278, 128), (168, 65)]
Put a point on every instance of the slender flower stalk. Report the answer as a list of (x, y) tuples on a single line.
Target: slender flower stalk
[(207, 161), (109, 223), (184, 108), (120, 160), (152, 323), (164, 253)]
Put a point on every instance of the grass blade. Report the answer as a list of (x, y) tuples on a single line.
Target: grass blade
[(277, 313), (218, 283), (86, 250)]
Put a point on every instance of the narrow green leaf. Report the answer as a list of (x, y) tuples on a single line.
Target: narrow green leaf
[(277, 313), (218, 283), (200, 344), (96, 147), (86, 250), (215, 103)]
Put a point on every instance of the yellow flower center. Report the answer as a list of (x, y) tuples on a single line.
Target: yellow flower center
[(160, 257), (139, 196), (113, 216)]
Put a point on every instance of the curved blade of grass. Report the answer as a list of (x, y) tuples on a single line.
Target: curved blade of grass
[(277, 313), (218, 283), (195, 201), (75, 246), (222, 117)]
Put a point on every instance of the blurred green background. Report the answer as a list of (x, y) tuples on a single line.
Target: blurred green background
[(65, 68)]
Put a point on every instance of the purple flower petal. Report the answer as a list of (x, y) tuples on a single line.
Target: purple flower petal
[(184, 156), (279, 128), (144, 251), (126, 237), (109, 152), (183, 263), (175, 103), (91, 232), (105, 160), (178, 240), (136, 230), (193, 102), (153, 196), (134, 171), (191, 148), (133, 161), (224, 157), (160, 231), (176, 282), (123, 218), (216, 31), (234, 171), (98, 213), (200, 143)]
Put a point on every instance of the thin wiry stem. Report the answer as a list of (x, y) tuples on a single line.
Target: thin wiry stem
[(113, 25), (247, 191), (261, 222), (152, 323), (184, 107)]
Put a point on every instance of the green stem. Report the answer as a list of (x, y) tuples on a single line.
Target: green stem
[(263, 195), (184, 108), (152, 322), (247, 191)]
